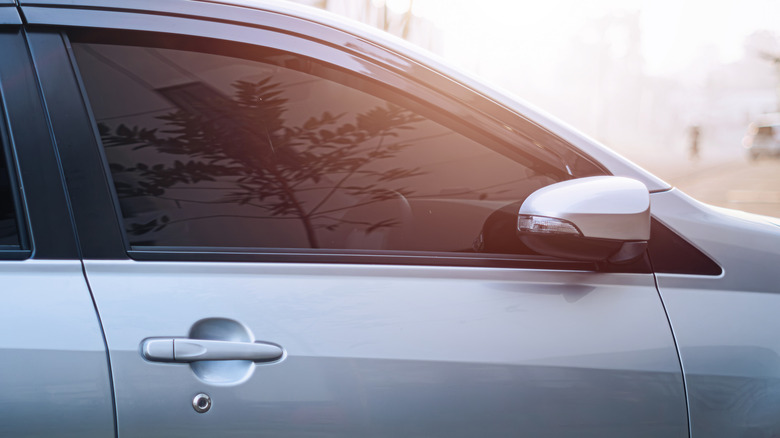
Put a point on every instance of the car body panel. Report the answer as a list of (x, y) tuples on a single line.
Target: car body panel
[(726, 326), (55, 376), (388, 351)]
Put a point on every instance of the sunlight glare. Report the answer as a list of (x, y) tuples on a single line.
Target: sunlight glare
[(672, 32), (399, 6)]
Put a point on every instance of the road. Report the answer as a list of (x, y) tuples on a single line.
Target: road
[(739, 184)]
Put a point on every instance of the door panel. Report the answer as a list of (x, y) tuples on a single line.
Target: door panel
[(394, 351), (54, 375)]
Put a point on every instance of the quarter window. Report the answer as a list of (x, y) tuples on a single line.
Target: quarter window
[(274, 150)]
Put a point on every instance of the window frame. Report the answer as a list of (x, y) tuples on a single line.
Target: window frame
[(105, 238), (331, 255)]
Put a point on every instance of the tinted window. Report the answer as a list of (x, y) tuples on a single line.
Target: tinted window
[(9, 230), (279, 151)]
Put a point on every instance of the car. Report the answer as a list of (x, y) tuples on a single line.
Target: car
[(763, 137), (242, 218)]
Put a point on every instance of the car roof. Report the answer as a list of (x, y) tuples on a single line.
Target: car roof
[(614, 162)]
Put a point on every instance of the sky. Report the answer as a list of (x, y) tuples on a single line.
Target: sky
[(673, 31)]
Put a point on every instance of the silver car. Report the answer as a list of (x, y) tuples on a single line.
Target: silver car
[(763, 137), (238, 218)]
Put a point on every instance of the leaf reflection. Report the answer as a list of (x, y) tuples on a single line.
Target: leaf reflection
[(254, 156)]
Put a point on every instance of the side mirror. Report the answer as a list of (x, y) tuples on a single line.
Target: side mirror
[(601, 218)]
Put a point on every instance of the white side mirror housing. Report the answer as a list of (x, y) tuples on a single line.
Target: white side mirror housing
[(595, 218)]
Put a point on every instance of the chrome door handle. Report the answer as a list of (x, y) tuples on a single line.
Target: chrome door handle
[(192, 350)]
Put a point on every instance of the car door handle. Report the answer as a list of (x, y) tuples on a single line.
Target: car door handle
[(192, 350)]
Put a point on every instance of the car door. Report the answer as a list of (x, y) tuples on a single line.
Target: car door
[(54, 371), (285, 237), (725, 319)]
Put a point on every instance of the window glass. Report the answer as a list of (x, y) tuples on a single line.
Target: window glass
[(9, 230), (278, 151)]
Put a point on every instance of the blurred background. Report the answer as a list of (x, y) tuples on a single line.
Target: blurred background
[(688, 89)]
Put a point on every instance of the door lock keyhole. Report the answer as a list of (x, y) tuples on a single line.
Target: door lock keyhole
[(201, 403)]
